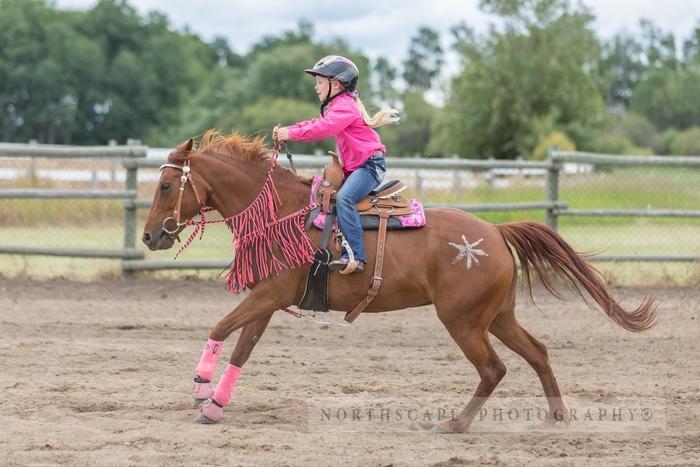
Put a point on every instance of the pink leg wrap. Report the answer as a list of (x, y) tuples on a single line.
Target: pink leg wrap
[(207, 362), (227, 383), (202, 391), (213, 412)]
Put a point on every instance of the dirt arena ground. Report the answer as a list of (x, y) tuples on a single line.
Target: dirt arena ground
[(100, 374)]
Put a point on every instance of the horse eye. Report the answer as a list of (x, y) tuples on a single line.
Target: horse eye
[(165, 187)]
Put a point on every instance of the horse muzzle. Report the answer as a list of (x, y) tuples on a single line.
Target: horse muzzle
[(157, 241)]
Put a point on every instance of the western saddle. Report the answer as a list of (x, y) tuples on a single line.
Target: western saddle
[(376, 211)]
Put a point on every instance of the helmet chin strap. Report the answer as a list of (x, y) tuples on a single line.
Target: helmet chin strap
[(328, 98)]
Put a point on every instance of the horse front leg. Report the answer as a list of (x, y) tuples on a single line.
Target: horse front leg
[(254, 317), (203, 388)]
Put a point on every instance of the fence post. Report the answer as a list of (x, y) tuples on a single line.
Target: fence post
[(130, 213), (419, 180), (113, 172), (552, 189), (457, 181), (32, 166)]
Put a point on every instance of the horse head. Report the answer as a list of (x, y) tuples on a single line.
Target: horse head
[(178, 197)]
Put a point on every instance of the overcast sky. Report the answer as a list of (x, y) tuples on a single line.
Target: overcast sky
[(384, 27)]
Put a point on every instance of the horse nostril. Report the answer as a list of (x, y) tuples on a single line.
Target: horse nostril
[(146, 238)]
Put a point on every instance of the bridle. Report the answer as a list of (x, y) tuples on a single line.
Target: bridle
[(184, 178)]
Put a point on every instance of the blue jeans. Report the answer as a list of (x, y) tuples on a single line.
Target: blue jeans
[(357, 186)]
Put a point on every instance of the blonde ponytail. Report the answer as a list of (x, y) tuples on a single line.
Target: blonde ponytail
[(383, 117)]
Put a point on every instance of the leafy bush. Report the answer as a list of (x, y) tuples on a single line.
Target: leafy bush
[(612, 143), (682, 143), (557, 140)]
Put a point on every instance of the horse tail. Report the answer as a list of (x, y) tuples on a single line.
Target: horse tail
[(541, 248)]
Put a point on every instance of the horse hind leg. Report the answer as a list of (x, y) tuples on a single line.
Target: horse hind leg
[(472, 337), (509, 331)]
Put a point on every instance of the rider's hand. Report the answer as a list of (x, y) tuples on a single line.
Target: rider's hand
[(280, 133)]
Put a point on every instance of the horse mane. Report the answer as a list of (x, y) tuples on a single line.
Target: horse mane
[(238, 147), (252, 150)]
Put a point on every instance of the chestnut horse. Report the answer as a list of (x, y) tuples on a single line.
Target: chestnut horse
[(464, 267)]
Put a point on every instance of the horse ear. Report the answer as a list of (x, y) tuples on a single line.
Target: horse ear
[(187, 145), (181, 152)]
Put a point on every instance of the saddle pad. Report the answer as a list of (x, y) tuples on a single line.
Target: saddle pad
[(414, 220)]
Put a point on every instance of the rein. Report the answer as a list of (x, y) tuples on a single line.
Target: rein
[(257, 232), (289, 157)]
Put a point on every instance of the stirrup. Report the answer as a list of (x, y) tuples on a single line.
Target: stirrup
[(321, 317), (353, 266), (347, 267)]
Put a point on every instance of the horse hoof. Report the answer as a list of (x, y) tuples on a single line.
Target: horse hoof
[(204, 420), (424, 426), (438, 428), (445, 427), (554, 424), (211, 413), (201, 392), (198, 402)]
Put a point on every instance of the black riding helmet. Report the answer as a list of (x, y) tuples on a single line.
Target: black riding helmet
[(338, 68)]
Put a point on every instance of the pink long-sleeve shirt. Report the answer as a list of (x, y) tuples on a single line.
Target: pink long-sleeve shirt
[(356, 141)]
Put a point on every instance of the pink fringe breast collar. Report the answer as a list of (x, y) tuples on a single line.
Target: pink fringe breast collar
[(264, 245)]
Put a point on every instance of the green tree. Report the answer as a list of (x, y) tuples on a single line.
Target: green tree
[(540, 65), (86, 77), (386, 75), (47, 71), (263, 115), (691, 46), (279, 72), (149, 69), (424, 60), (669, 98), (622, 66), (216, 104), (224, 55), (115, 25), (659, 46), (410, 138)]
